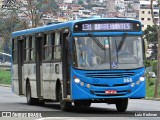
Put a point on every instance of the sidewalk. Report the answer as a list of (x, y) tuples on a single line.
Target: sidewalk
[(5, 85), (149, 98)]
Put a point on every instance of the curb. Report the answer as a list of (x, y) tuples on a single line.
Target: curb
[(5, 85), (148, 98)]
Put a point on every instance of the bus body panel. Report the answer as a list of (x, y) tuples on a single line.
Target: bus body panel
[(30, 74), (15, 83), (50, 77), (42, 29)]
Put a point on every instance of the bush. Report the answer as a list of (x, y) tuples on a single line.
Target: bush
[(147, 63), (154, 66), (151, 83)]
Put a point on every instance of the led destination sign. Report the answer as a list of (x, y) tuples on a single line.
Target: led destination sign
[(107, 26)]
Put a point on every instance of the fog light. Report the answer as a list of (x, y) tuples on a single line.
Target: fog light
[(76, 80), (82, 83), (138, 82), (88, 85), (132, 84), (142, 79)]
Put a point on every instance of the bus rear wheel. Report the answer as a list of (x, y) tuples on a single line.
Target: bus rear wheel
[(30, 100), (65, 105), (122, 104)]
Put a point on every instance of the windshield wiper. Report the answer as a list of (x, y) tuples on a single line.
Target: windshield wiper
[(96, 41), (120, 45), (116, 51), (121, 42)]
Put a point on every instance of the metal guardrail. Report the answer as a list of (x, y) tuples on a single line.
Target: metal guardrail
[(5, 66)]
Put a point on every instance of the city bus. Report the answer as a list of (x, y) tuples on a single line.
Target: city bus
[(80, 62)]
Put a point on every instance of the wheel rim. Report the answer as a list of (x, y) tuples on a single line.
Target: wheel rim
[(28, 94)]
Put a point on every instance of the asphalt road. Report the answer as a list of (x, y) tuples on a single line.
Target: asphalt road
[(17, 107)]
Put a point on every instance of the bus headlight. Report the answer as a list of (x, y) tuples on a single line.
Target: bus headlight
[(142, 79), (88, 85), (138, 82), (82, 83), (132, 84), (76, 80)]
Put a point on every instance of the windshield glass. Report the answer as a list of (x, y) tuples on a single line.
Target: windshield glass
[(119, 52)]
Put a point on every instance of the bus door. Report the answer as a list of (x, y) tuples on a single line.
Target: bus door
[(66, 64), (20, 65), (38, 46)]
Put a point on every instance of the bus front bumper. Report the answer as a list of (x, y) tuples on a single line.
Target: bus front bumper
[(82, 92)]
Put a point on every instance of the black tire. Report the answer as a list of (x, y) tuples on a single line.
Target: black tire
[(87, 104), (64, 105), (80, 104), (30, 100), (122, 104), (41, 102)]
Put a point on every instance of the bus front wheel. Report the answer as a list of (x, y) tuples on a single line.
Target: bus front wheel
[(65, 105), (121, 104), (80, 104)]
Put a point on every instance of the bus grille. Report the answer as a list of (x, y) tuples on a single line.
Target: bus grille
[(110, 74)]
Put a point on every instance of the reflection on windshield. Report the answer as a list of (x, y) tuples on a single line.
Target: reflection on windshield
[(90, 55)]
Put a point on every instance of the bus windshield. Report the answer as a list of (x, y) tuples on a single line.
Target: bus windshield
[(109, 52)]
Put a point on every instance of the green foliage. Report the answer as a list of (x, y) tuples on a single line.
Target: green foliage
[(147, 63), (151, 82), (80, 2), (129, 5), (150, 34), (5, 77), (154, 66), (48, 6), (89, 6), (150, 87), (7, 25)]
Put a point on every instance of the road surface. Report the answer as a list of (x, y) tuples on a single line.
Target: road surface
[(17, 106)]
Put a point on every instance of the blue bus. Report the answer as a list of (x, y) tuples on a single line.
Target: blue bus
[(96, 60)]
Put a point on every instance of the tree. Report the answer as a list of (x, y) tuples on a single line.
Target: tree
[(117, 8), (18, 14), (32, 11), (129, 6), (80, 2), (158, 36), (89, 6), (7, 25), (150, 34)]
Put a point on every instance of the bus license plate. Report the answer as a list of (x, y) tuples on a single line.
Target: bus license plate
[(111, 92)]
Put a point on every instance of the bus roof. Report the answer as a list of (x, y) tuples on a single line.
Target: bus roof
[(60, 26)]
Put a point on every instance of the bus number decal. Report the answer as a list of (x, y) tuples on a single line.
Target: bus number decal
[(127, 80)]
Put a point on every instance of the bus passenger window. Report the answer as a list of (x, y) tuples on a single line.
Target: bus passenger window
[(24, 49), (32, 48), (47, 47), (57, 47)]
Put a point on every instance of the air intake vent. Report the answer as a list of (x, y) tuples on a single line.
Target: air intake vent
[(110, 74)]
